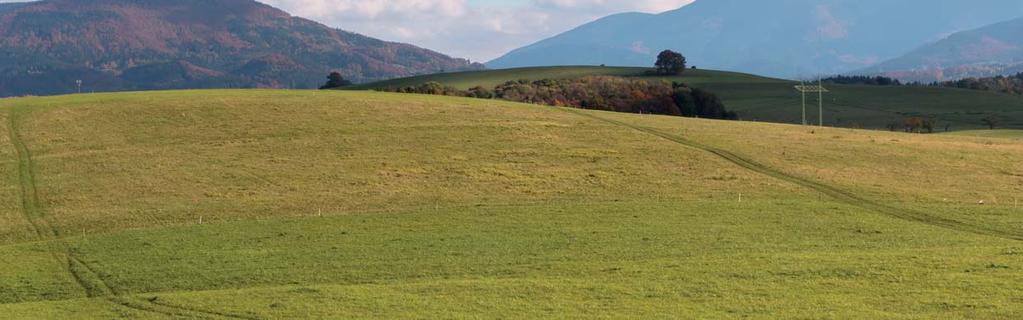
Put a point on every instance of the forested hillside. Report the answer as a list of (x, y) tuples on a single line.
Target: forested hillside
[(169, 44)]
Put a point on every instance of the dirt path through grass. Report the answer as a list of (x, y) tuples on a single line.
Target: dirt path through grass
[(836, 193), (87, 278)]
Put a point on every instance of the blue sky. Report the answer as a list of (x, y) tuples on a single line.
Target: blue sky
[(477, 29)]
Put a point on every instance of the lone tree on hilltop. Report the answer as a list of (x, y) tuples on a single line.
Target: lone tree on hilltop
[(670, 62), (335, 80)]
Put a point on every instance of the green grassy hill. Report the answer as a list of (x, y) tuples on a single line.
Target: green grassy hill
[(773, 100), (299, 204), (1008, 134)]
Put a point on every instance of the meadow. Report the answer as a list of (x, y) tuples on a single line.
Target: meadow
[(758, 98), (1004, 133), (267, 204)]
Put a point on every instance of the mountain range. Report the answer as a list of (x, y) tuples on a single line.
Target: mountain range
[(111, 45), (988, 51), (782, 38), (46, 46)]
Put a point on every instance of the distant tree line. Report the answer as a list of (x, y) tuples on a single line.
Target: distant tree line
[(598, 93), (915, 125), (863, 80), (1012, 84), (594, 92), (1005, 84)]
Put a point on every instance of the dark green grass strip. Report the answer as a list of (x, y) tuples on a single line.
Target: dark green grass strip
[(29, 194), (831, 191)]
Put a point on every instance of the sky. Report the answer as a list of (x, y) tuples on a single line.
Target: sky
[(479, 30)]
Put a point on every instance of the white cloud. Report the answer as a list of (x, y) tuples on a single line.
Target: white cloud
[(373, 9), (828, 26), (460, 27), (613, 5)]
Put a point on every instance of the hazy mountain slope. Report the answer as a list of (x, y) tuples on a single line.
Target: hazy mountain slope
[(777, 38), (9, 6), (154, 44), (992, 50)]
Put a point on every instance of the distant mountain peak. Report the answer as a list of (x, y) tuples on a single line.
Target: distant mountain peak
[(992, 50), (783, 38)]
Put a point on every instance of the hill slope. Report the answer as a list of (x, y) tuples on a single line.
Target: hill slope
[(161, 44), (300, 204), (831, 36), (774, 100), (989, 51), (1006, 134)]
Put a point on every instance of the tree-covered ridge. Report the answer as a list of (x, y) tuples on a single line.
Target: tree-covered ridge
[(1005, 84), (609, 93), (863, 80), (169, 44)]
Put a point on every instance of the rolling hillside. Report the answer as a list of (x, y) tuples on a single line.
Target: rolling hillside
[(262, 204), (1007, 134), (116, 45), (814, 37), (774, 100)]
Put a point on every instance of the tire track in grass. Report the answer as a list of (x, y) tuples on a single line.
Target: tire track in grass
[(112, 294), (87, 279), (836, 193)]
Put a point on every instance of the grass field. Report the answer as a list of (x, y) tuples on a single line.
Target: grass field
[(349, 204), (1007, 134), (774, 100)]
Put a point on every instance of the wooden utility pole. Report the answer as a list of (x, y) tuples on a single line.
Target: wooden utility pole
[(820, 90)]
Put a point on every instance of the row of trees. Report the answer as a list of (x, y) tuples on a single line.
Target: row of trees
[(864, 80), (915, 125), (1012, 84), (930, 125), (668, 63), (1005, 84), (598, 93)]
